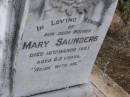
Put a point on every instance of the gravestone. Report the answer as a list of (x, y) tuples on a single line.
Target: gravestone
[(54, 43), (78, 91)]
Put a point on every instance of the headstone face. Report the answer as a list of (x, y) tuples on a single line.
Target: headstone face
[(58, 43)]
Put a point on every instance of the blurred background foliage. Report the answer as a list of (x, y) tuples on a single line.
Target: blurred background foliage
[(124, 9)]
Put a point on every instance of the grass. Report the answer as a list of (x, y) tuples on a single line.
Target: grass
[(124, 9)]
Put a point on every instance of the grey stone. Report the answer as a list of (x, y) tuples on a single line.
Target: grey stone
[(50, 44)]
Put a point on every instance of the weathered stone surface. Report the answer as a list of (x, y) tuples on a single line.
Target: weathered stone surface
[(5, 46), (57, 43), (9, 18), (77, 91)]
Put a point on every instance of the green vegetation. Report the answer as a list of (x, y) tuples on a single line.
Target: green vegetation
[(124, 9)]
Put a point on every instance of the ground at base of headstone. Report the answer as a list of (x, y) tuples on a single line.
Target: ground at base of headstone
[(114, 57)]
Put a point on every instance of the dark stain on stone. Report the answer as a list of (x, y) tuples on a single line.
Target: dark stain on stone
[(107, 4), (39, 9), (93, 3), (17, 7)]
